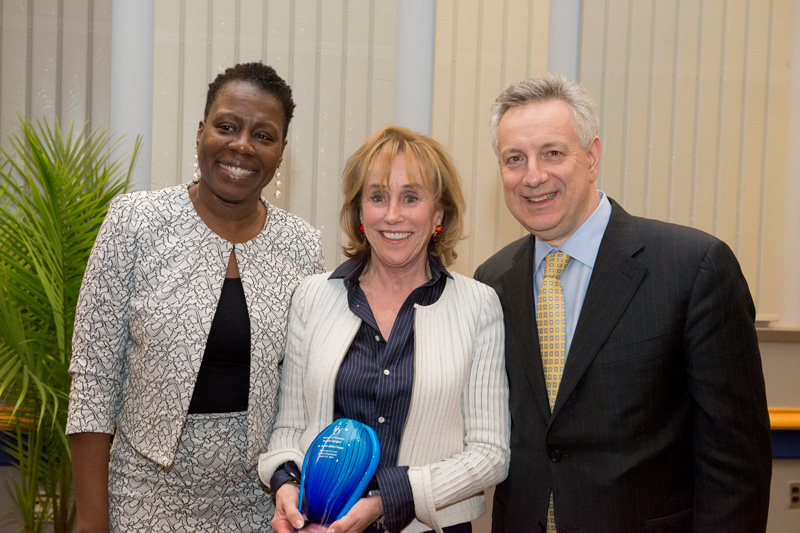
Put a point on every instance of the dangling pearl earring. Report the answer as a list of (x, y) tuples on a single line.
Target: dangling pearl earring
[(196, 176), (277, 184)]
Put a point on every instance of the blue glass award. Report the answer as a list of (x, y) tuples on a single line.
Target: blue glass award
[(337, 468)]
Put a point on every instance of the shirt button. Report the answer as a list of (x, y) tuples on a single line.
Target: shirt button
[(377, 338), (381, 420), (386, 372)]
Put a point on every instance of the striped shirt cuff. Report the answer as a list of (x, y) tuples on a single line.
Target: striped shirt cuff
[(398, 499)]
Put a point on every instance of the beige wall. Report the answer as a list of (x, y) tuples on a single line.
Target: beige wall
[(472, 65), (695, 100), (55, 63), (694, 106), (781, 363), (782, 519), (337, 55), (693, 96)]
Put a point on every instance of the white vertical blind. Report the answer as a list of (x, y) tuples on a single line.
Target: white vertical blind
[(472, 64), (693, 98), (54, 63), (337, 55)]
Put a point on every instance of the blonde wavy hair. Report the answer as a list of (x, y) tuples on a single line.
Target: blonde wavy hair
[(427, 162)]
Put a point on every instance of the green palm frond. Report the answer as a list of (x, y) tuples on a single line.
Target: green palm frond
[(55, 190)]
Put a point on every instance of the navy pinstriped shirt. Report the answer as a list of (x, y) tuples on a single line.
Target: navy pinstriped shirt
[(374, 385), (375, 381)]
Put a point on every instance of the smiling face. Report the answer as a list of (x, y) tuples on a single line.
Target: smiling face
[(399, 216), (240, 144), (548, 178)]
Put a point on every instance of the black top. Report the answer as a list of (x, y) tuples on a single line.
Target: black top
[(223, 383)]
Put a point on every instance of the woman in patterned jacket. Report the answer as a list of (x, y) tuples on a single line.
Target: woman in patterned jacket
[(180, 327)]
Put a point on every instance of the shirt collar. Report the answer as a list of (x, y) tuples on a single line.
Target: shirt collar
[(350, 270), (582, 245)]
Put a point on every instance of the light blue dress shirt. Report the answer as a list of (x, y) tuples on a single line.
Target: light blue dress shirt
[(582, 246)]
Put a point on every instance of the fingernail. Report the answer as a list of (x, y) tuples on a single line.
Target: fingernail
[(298, 523)]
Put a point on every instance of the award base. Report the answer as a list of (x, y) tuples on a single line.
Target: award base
[(313, 528)]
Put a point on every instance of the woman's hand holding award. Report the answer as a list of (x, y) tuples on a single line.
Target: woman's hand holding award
[(337, 468)]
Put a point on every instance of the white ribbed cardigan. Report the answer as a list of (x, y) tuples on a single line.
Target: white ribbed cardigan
[(456, 436)]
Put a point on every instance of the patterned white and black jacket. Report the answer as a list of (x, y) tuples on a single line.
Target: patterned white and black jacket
[(145, 309)]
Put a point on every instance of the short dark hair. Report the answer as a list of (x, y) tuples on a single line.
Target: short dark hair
[(262, 76)]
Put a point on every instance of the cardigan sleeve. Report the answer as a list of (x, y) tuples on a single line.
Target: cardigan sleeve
[(484, 402), (101, 324), (291, 421)]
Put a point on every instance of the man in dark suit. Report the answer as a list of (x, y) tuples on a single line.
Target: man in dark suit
[(659, 421)]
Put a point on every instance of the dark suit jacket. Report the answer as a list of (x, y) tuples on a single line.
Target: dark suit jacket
[(660, 423)]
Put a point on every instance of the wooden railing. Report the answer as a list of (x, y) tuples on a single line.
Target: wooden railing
[(9, 423), (778, 335), (784, 418)]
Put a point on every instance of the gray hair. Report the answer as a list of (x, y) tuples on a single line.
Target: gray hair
[(544, 88)]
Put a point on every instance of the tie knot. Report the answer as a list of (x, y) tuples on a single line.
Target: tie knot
[(555, 263)]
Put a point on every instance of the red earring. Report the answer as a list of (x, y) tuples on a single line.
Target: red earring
[(361, 232), (438, 233)]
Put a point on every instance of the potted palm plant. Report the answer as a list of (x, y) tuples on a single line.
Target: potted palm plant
[(55, 190)]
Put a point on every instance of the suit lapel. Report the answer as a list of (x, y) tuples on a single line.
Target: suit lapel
[(615, 279), (518, 289)]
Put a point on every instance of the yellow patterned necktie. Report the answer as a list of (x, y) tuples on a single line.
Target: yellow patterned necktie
[(552, 327), (551, 322)]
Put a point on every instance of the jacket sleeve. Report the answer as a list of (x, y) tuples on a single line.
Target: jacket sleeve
[(484, 404), (733, 455), (291, 421), (101, 324)]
